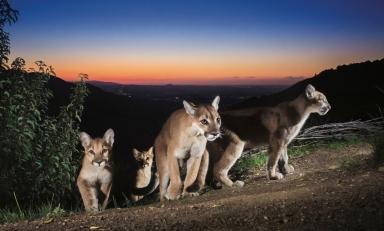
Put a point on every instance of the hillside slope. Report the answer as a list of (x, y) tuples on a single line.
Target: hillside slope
[(355, 91)]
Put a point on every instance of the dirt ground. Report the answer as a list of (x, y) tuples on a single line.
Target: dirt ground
[(330, 190)]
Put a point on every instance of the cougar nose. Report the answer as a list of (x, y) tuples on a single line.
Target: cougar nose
[(98, 161)]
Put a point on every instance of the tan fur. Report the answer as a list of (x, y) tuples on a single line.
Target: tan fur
[(144, 173), (184, 137), (276, 126), (96, 171)]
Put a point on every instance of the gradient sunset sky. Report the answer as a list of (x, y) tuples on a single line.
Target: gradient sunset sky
[(197, 41)]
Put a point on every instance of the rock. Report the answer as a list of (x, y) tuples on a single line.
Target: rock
[(332, 167)]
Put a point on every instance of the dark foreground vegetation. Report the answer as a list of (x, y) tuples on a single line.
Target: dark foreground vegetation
[(39, 153)]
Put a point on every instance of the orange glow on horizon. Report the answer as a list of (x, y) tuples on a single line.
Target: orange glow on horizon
[(179, 71), (267, 68)]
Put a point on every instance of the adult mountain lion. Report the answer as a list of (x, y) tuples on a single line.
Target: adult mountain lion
[(276, 126), (184, 137), (96, 171)]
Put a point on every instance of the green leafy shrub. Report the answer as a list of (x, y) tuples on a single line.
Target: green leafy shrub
[(39, 152), (7, 16)]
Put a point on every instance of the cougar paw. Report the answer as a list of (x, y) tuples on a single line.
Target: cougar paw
[(238, 183), (216, 185), (289, 169), (92, 210), (277, 176), (190, 194), (172, 196), (195, 187)]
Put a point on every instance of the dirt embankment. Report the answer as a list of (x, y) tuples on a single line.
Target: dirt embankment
[(330, 190)]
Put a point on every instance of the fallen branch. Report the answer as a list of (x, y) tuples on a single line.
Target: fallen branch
[(331, 131), (355, 128)]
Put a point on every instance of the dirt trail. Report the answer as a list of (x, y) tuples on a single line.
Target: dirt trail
[(323, 194)]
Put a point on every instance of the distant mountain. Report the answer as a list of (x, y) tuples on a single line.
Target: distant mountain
[(355, 91), (229, 94), (135, 121)]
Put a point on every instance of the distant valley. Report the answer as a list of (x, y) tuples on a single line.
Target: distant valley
[(177, 93)]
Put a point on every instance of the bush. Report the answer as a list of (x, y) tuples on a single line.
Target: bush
[(39, 152), (7, 16)]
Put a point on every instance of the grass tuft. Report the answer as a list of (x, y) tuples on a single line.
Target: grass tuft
[(259, 159), (254, 160), (350, 163), (378, 149), (47, 210)]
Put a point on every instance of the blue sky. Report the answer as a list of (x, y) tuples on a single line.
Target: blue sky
[(181, 41)]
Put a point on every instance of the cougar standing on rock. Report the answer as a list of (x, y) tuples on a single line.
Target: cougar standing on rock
[(184, 137), (276, 126), (96, 171)]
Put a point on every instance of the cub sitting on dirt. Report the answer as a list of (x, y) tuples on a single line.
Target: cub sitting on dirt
[(96, 171), (146, 182), (184, 137), (276, 126)]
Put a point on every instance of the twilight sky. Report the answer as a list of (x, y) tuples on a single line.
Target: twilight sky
[(197, 41)]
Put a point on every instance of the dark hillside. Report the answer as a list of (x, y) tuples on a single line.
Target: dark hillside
[(355, 91), (135, 122)]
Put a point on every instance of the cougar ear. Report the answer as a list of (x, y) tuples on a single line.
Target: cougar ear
[(189, 108), (85, 139), (109, 137), (150, 151), (309, 91), (215, 102), (136, 153)]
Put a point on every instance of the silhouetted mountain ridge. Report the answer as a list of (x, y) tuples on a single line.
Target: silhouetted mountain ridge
[(355, 91)]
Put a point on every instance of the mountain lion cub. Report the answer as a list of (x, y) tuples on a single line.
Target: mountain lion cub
[(276, 126), (184, 137), (144, 173), (96, 171)]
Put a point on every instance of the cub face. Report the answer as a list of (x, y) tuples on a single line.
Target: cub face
[(144, 158), (205, 118), (317, 101), (98, 151)]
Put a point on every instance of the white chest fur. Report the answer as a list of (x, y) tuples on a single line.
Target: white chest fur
[(194, 144), (294, 131), (198, 147), (143, 177), (95, 174)]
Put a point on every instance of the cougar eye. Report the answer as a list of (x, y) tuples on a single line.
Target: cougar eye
[(218, 120), (105, 150), (92, 152), (204, 122)]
